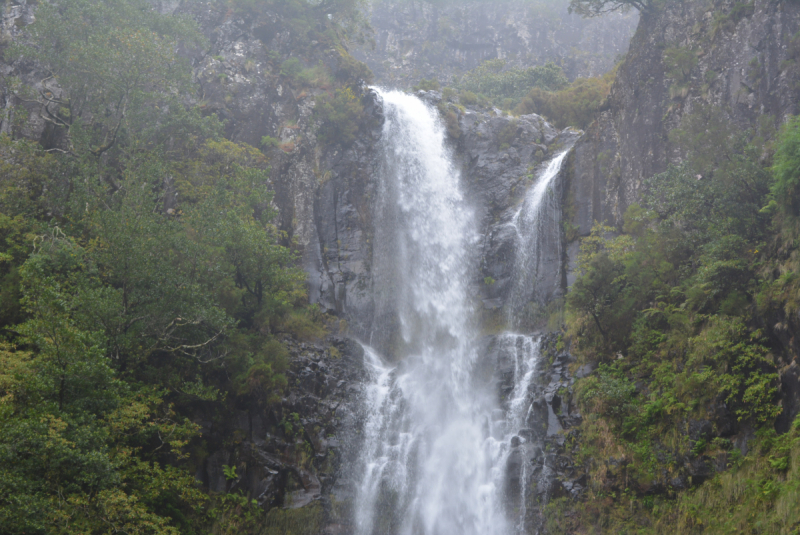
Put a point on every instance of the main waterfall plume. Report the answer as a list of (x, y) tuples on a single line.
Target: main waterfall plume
[(429, 459)]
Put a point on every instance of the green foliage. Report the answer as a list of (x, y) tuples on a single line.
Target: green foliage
[(468, 98), (727, 21), (291, 68), (608, 392), (427, 85), (747, 380), (680, 63), (329, 22), (229, 471), (317, 76), (668, 309), (339, 115), (269, 142), (125, 304), (235, 515), (576, 105), (137, 288), (352, 72), (758, 494), (492, 80), (114, 62), (786, 168)]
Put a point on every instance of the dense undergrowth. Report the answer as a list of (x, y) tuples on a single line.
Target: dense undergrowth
[(142, 282), (684, 312)]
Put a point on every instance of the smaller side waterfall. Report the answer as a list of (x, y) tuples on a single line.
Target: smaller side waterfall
[(517, 441), (537, 223), (387, 446)]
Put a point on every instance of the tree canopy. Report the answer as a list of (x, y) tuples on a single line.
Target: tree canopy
[(142, 281)]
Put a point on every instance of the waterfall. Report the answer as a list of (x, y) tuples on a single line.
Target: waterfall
[(539, 212), (443, 452), (427, 453)]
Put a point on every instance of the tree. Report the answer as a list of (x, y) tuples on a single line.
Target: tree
[(108, 64), (595, 8)]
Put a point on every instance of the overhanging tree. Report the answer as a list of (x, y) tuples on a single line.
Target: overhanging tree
[(595, 8)]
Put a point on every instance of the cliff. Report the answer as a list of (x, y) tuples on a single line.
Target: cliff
[(416, 40), (744, 63)]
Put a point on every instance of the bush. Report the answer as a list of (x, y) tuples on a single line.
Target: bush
[(467, 98), (351, 71), (291, 68), (427, 85), (576, 105), (340, 116), (511, 85)]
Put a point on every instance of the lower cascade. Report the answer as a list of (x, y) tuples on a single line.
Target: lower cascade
[(441, 452)]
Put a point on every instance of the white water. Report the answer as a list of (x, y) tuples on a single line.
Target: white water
[(437, 441), (538, 213)]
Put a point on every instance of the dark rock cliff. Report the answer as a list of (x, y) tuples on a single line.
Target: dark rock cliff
[(417, 39), (746, 64)]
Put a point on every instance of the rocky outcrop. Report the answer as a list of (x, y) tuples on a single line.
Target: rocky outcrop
[(502, 157), (416, 39), (293, 453), (745, 63), (499, 157)]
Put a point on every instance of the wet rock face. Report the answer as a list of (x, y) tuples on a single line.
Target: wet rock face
[(541, 447), (416, 39), (502, 157), (340, 259), (746, 64)]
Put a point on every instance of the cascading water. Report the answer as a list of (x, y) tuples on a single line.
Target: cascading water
[(441, 453), (539, 212), (428, 449)]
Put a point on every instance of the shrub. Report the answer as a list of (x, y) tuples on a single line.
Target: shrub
[(427, 85), (291, 68), (508, 86), (576, 105), (340, 116), (467, 98), (351, 71)]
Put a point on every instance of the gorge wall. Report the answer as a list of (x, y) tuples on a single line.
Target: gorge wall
[(745, 64), (415, 39)]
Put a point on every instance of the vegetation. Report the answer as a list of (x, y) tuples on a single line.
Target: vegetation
[(329, 22), (543, 90), (577, 105), (676, 311), (680, 63), (340, 115), (141, 280), (495, 82)]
